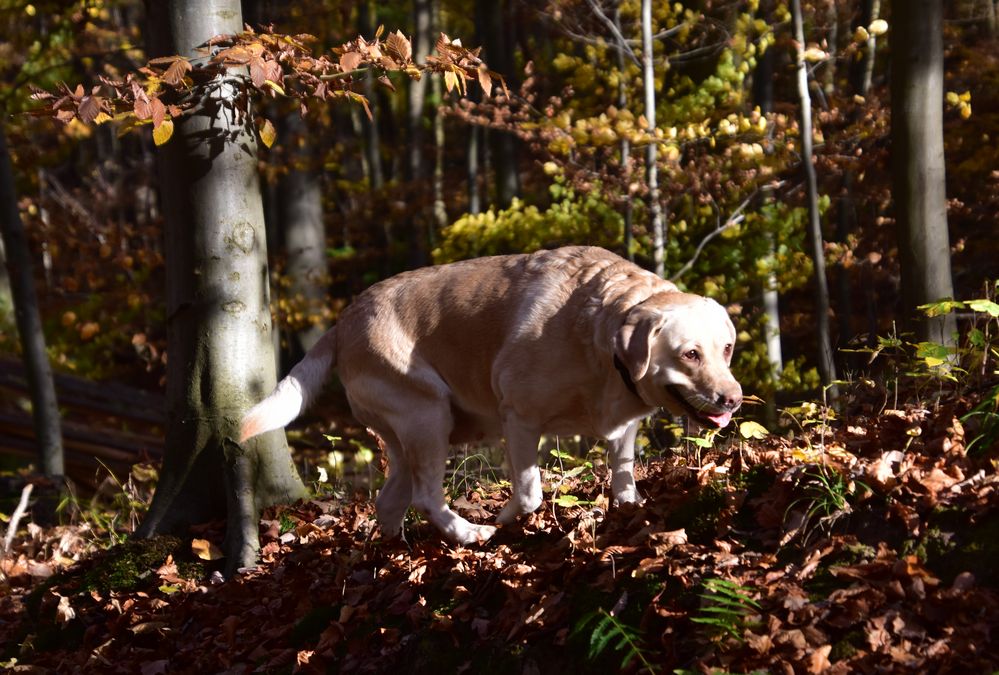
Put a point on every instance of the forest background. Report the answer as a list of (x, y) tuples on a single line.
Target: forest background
[(702, 177)]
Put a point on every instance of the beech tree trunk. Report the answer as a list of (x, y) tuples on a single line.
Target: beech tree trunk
[(651, 154), (493, 29), (219, 324), (622, 104), (44, 407), (827, 367), (300, 218), (918, 172)]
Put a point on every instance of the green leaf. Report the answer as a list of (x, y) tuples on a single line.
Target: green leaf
[(985, 306), (940, 307), (168, 589)]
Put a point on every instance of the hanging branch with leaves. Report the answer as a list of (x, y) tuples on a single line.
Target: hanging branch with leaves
[(264, 63)]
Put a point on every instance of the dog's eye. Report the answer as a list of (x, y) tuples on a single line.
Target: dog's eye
[(728, 349), (692, 355)]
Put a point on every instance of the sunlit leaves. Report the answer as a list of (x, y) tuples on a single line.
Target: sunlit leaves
[(265, 128), (163, 132)]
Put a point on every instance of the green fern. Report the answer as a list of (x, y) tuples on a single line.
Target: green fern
[(607, 632), (726, 607)]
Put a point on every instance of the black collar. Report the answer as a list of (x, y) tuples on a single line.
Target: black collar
[(626, 376)]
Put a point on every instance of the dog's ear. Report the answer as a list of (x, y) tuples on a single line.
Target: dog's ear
[(633, 342)]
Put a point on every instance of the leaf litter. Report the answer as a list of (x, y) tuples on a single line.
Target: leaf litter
[(865, 546)]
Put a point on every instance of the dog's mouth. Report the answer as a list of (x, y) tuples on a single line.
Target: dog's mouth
[(707, 416)]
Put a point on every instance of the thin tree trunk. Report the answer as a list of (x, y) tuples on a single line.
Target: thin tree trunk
[(373, 146), (472, 150), (420, 234), (300, 208), (622, 104), (763, 97), (861, 71), (651, 154), (918, 169), (440, 207), (44, 407), (218, 331), (494, 29), (827, 367)]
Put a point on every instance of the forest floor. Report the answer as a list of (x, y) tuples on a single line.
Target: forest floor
[(867, 543)]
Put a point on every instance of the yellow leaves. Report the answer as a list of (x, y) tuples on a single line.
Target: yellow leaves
[(960, 101), (266, 131), (814, 55), (205, 550), (750, 430), (163, 132), (861, 34)]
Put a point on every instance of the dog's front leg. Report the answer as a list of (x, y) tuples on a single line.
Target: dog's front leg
[(622, 463), (522, 454)]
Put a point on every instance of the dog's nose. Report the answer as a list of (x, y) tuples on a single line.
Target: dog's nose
[(730, 400)]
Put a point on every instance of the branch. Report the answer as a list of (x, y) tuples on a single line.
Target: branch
[(615, 31), (22, 506), (734, 219)]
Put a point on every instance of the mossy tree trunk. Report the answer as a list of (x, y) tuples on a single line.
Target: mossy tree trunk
[(221, 358)]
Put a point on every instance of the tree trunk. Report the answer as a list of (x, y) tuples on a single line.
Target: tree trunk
[(918, 173), (493, 30), (420, 234), (300, 209), (472, 150), (827, 368), (218, 331), (651, 154), (440, 206), (861, 71), (44, 408), (763, 97), (622, 104), (373, 146)]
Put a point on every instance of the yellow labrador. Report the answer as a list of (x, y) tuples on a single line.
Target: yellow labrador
[(571, 341)]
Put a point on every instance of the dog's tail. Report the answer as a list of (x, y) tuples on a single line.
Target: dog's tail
[(294, 393)]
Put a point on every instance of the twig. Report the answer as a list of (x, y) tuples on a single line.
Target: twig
[(615, 31), (734, 219), (22, 506)]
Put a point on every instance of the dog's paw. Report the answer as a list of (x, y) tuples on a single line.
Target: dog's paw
[(628, 496), (473, 534)]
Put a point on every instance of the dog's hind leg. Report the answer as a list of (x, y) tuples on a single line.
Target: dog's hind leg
[(522, 455), (426, 448), (396, 494)]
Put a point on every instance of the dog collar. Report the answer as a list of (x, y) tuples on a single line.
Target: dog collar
[(626, 376)]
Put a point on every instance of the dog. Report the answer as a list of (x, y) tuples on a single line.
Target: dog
[(574, 340)]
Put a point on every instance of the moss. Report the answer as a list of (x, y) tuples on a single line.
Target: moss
[(847, 646), (126, 566)]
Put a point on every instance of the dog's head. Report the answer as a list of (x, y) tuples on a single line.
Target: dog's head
[(677, 348)]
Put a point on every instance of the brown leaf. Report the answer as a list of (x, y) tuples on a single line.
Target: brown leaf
[(349, 61), (399, 47), (157, 111), (89, 107), (174, 75), (485, 80)]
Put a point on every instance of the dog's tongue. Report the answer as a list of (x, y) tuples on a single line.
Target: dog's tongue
[(721, 419)]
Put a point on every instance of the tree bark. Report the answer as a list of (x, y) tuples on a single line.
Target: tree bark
[(300, 209), (219, 325), (918, 172), (763, 97), (440, 206), (651, 154), (421, 232), (827, 367), (622, 104), (38, 370), (494, 30)]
